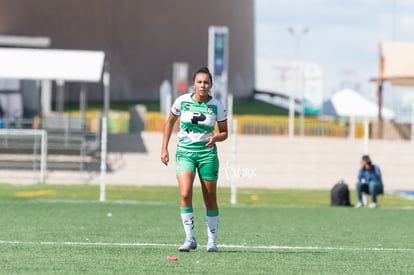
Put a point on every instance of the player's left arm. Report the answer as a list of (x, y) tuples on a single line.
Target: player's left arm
[(220, 136), (378, 174)]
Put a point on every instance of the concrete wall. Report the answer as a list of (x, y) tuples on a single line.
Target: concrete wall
[(268, 162), (142, 38)]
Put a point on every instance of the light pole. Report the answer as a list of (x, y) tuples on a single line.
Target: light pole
[(394, 20), (298, 33)]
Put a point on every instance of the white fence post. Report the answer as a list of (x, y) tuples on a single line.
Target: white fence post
[(233, 184)]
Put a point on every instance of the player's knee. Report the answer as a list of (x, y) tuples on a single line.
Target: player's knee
[(210, 196), (186, 196)]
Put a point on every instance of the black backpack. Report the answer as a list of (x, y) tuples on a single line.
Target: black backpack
[(340, 194)]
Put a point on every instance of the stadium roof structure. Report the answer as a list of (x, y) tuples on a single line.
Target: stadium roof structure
[(51, 64), (62, 65), (396, 66), (25, 41), (396, 63)]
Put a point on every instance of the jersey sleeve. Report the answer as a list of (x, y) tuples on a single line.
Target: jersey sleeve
[(221, 112), (176, 107)]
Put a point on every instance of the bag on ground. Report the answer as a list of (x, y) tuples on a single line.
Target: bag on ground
[(340, 194)]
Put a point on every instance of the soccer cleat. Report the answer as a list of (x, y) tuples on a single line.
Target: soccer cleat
[(188, 245), (212, 247), (372, 205), (359, 205)]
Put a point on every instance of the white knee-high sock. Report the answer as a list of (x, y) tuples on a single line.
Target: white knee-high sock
[(212, 227), (187, 217)]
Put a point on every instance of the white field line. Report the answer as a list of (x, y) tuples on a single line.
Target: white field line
[(230, 246), (70, 201), (138, 202)]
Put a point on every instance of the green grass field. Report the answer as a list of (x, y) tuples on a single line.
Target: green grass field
[(50, 229)]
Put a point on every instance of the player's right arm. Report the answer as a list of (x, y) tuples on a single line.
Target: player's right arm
[(169, 126)]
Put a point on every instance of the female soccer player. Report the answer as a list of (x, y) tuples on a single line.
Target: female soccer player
[(197, 152)]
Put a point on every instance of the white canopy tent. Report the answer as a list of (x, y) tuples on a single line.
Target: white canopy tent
[(349, 103), (60, 66)]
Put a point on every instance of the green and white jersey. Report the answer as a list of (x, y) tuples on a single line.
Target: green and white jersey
[(197, 121)]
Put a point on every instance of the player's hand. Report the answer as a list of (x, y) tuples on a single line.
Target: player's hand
[(210, 141), (165, 157)]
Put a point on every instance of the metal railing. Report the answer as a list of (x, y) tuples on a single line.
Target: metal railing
[(273, 125), (27, 139), (66, 135)]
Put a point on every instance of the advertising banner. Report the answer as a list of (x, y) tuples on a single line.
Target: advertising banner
[(313, 90), (218, 60)]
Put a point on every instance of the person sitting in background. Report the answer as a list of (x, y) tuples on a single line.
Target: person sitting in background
[(369, 182)]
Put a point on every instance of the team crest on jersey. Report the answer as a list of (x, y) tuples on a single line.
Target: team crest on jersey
[(210, 109)]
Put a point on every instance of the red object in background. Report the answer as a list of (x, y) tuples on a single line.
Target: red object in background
[(182, 87)]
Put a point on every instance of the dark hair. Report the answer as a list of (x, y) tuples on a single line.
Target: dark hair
[(203, 70), (367, 159)]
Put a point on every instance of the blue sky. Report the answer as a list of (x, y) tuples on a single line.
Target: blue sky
[(343, 35)]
